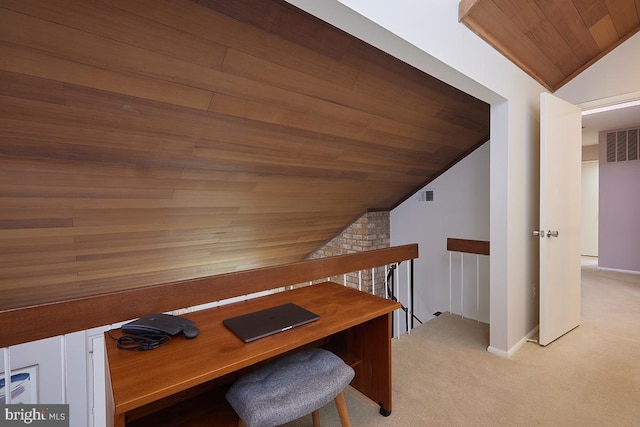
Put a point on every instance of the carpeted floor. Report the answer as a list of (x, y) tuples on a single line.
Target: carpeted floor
[(444, 376)]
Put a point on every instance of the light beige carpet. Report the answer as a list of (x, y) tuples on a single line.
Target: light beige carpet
[(444, 376)]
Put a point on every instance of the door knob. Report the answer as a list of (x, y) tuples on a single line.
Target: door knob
[(539, 233), (552, 233)]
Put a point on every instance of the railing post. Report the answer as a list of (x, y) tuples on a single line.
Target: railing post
[(373, 281), (450, 281), (409, 317), (462, 285), (395, 284), (477, 288)]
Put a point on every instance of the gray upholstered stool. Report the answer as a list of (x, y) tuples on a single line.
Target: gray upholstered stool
[(291, 387)]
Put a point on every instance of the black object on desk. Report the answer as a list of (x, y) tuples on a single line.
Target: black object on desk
[(161, 324), (259, 324)]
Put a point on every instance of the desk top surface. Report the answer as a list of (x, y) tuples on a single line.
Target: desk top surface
[(141, 377)]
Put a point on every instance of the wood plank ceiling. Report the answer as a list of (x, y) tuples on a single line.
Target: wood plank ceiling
[(553, 41), (150, 141)]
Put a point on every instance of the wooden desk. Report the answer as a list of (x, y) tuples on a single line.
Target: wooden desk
[(353, 324)]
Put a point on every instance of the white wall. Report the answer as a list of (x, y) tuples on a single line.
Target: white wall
[(619, 208), (460, 209), (428, 35)]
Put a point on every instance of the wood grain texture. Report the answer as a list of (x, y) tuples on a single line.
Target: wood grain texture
[(349, 320), (154, 141), (479, 247), (84, 312), (553, 41), (217, 352)]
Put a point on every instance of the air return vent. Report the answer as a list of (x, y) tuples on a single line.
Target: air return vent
[(632, 144), (622, 145), (425, 196)]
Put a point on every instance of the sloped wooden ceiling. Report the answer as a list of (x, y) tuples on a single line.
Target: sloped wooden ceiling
[(552, 40), (150, 141)]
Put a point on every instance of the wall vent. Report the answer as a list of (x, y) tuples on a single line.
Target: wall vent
[(632, 149), (425, 196), (623, 145)]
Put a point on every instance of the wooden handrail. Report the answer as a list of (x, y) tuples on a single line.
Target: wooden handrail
[(46, 320), (479, 247)]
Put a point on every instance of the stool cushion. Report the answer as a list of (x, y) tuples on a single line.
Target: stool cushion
[(289, 387)]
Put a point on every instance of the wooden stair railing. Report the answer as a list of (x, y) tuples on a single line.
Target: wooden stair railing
[(478, 247), (467, 246), (31, 323)]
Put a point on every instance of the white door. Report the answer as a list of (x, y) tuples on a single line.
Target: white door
[(560, 217)]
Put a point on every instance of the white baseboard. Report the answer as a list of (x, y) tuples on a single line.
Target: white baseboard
[(513, 350), (498, 352), (617, 270)]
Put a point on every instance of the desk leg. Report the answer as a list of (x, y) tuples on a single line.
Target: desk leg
[(119, 420), (371, 342), (112, 419)]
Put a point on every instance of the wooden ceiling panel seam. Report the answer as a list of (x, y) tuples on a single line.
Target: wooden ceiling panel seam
[(69, 137), (536, 24), (230, 149), (425, 112), (518, 38), (524, 15), (110, 22), (94, 51), (624, 16), (260, 15), (189, 17), (591, 11), (326, 53), (62, 167), (325, 118), (390, 69), (270, 47), (604, 32), (565, 58), (109, 109), (371, 102), (568, 22), (316, 37), (212, 171), (19, 86), (37, 63)]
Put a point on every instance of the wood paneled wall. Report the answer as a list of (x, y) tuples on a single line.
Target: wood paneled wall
[(149, 141)]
